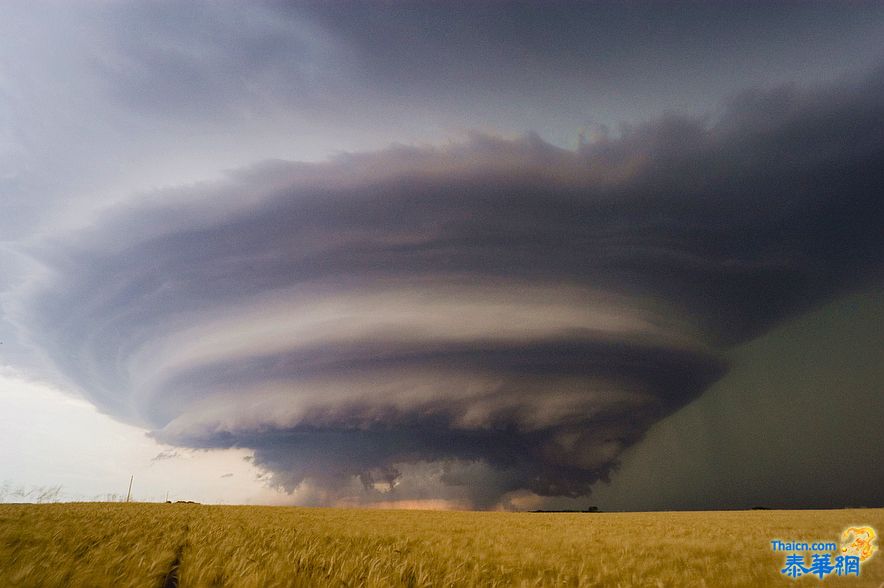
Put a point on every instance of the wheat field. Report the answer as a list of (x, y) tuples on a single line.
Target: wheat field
[(141, 544)]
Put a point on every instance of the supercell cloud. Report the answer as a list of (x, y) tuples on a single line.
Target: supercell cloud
[(464, 321)]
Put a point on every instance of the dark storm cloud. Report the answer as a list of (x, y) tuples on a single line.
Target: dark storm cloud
[(504, 55), (500, 304)]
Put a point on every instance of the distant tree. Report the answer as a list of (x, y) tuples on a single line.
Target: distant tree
[(39, 494), (44, 494)]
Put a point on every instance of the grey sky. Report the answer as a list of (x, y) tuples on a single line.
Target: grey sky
[(543, 227)]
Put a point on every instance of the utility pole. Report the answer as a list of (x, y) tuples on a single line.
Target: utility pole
[(129, 493)]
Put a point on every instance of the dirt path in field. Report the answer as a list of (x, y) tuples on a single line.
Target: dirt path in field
[(171, 579)]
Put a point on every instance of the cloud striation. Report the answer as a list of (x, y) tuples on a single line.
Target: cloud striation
[(464, 321)]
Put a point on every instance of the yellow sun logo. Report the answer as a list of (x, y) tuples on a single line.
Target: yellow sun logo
[(863, 544)]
